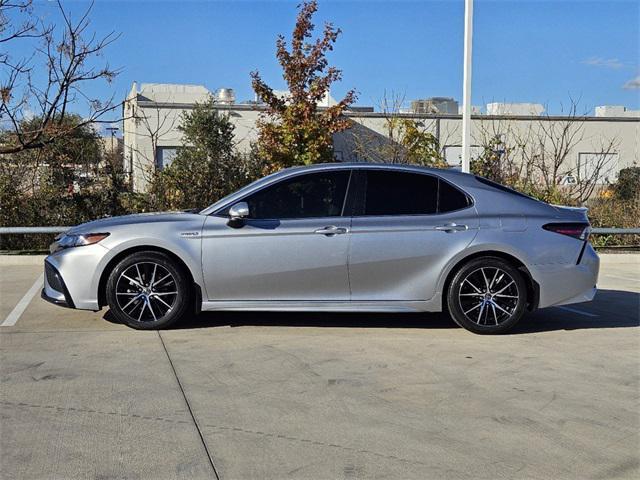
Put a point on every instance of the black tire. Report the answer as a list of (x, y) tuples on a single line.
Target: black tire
[(487, 295), (147, 305)]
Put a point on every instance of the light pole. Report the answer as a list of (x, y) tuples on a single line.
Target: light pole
[(466, 86)]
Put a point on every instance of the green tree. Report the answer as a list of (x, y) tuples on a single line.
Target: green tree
[(67, 181), (489, 163), (294, 130), (207, 167), (63, 159), (422, 147)]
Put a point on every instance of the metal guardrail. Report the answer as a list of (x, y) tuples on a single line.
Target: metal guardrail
[(8, 230), (616, 231), (29, 230)]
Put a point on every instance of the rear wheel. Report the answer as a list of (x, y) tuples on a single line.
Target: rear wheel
[(487, 295), (148, 290)]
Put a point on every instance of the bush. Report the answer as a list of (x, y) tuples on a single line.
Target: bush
[(614, 213), (628, 185)]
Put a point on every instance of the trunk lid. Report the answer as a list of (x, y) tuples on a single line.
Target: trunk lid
[(574, 214)]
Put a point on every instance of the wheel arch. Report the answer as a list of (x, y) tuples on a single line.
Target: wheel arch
[(104, 276), (533, 289)]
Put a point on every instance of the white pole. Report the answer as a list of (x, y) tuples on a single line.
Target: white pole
[(466, 87)]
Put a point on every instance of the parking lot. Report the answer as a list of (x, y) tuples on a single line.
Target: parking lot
[(257, 395)]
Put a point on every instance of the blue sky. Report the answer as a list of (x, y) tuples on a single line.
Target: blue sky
[(524, 51)]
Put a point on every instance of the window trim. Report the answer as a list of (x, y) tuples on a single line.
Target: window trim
[(361, 185), (218, 213)]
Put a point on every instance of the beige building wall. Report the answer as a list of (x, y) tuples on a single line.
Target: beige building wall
[(152, 116)]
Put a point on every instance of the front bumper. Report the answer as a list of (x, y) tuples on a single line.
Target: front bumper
[(72, 276), (55, 290)]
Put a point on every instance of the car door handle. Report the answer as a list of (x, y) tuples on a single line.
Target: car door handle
[(331, 230), (451, 227)]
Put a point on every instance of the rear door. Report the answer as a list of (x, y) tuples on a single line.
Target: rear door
[(406, 227)]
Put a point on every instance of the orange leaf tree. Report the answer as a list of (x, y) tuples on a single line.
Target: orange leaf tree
[(294, 130)]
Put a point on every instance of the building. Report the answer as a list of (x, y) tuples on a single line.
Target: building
[(152, 116), (433, 105), (530, 109), (616, 111), (152, 113)]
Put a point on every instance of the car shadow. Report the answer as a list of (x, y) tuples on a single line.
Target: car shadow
[(317, 319), (610, 309)]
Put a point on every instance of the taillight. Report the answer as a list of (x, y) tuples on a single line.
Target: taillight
[(576, 230)]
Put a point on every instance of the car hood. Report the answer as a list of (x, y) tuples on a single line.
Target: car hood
[(104, 224)]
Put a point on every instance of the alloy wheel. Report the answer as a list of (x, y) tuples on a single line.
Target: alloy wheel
[(146, 291), (488, 296)]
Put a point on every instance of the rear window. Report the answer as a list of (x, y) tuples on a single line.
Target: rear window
[(502, 188)]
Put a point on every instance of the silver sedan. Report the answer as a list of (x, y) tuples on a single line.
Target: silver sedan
[(335, 238)]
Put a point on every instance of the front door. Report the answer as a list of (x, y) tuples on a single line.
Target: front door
[(292, 247)]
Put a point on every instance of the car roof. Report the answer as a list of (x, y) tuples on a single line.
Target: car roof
[(451, 173)]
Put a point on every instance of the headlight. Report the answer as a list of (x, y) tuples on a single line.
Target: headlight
[(79, 240)]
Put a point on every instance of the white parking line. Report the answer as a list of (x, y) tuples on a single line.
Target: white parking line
[(22, 305), (575, 310)]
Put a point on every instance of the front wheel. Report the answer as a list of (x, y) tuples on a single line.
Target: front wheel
[(148, 290), (487, 295)]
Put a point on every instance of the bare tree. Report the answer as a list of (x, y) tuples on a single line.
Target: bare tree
[(152, 124), (539, 157), (550, 145), (501, 156), (12, 31), (67, 53), (403, 138)]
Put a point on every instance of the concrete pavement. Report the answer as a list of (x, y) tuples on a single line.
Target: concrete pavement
[(259, 395)]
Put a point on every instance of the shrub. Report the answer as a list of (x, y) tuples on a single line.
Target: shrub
[(614, 213), (628, 184)]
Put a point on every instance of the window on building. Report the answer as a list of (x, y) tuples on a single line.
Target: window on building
[(305, 196), (164, 156)]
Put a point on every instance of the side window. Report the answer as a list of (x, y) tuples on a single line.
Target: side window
[(400, 193), (305, 196), (450, 198)]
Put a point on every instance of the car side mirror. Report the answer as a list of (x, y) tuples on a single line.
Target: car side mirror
[(237, 214)]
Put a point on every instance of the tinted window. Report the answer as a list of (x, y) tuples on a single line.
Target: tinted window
[(450, 198), (400, 193), (501, 187), (304, 196)]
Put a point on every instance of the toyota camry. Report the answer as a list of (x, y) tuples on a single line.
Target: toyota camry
[(334, 238)]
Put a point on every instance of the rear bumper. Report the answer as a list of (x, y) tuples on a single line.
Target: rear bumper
[(563, 284)]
